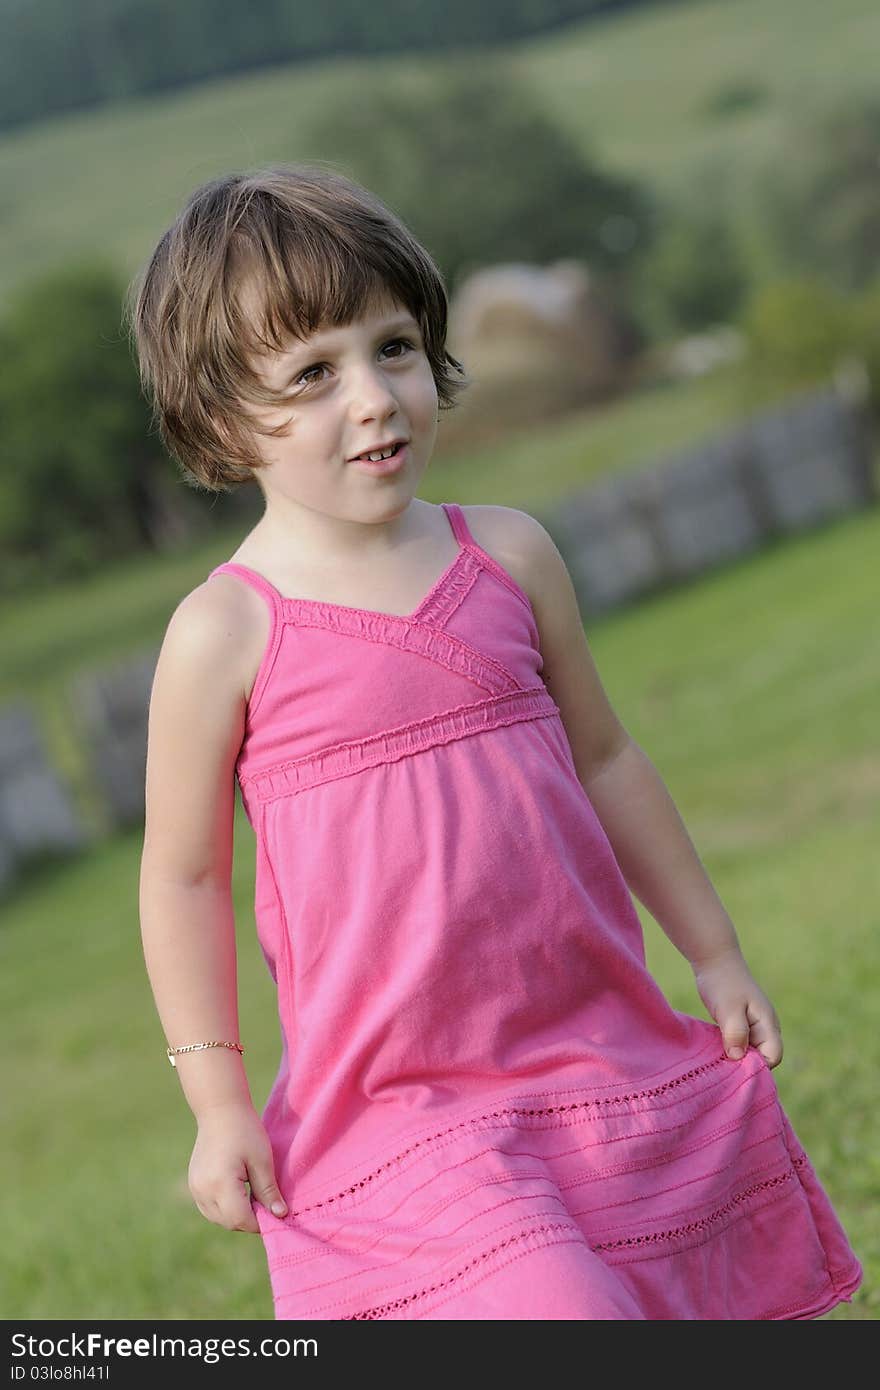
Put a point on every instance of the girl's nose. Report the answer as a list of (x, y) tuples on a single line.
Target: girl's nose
[(375, 405), (370, 392)]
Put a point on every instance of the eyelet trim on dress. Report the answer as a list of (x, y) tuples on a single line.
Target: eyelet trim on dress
[(514, 1110), (395, 1305), (383, 1309), (691, 1227)]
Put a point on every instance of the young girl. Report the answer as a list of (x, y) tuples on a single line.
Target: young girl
[(485, 1107)]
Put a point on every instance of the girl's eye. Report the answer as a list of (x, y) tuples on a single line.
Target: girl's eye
[(302, 378), (404, 342)]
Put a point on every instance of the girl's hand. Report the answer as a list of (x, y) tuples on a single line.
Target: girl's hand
[(742, 1010), (232, 1149)]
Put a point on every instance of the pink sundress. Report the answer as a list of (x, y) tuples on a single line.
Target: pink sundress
[(485, 1106)]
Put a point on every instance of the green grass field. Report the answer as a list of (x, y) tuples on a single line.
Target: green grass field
[(108, 181), (754, 692)]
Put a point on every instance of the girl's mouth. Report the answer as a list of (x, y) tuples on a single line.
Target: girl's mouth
[(387, 465)]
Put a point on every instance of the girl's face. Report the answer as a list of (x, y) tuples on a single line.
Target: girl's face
[(350, 389)]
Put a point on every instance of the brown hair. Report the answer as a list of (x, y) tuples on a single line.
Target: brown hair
[(319, 250)]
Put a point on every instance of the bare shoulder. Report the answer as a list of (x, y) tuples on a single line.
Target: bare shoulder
[(221, 628), (524, 547), (197, 718)]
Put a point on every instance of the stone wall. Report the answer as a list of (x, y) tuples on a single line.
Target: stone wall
[(785, 470)]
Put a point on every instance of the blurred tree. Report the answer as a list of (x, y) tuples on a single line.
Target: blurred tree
[(467, 158), (77, 469), (819, 190), (733, 97), (58, 56), (697, 274), (865, 341), (797, 332)]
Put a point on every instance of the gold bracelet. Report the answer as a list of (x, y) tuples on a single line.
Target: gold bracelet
[(196, 1047)]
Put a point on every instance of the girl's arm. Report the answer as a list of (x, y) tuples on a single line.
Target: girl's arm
[(662, 867), (637, 813), (196, 724)]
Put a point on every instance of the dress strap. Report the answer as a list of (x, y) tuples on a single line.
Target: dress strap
[(458, 523), (256, 581), (275, 604), (488, 562)]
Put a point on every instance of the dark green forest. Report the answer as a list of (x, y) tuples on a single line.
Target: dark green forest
[(61, 56)]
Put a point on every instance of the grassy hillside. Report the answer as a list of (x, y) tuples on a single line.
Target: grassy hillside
[(109, 181)]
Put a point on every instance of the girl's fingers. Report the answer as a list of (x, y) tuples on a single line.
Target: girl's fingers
[(233, 1211), (240, 1210), (752, 1028), (735, 1032), (766, 1035), (265, 1188)]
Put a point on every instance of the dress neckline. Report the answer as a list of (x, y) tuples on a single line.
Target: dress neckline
[(289, 603)]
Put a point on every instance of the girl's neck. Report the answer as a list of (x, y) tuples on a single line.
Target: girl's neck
[(374, 580), (329, 546)]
